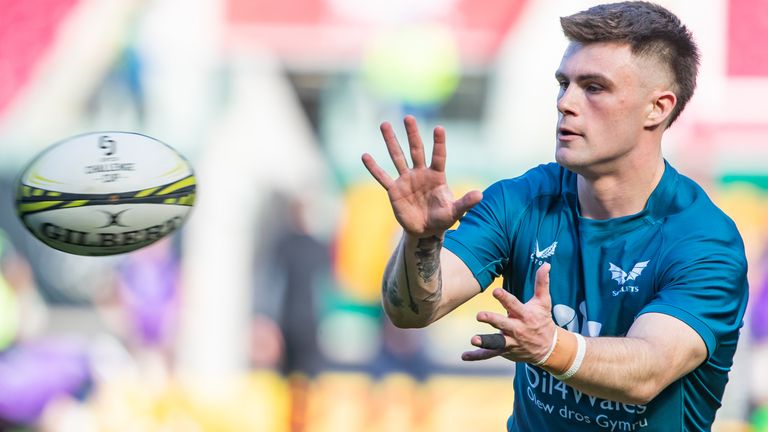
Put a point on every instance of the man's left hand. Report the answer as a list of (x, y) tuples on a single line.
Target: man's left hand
[(525, 333)]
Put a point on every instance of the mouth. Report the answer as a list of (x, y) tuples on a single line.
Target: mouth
[(564, 133)]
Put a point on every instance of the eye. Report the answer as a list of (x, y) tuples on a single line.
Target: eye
[(594, 88), (562, 84)]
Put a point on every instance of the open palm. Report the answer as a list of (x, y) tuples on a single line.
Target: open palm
[(421, 199)]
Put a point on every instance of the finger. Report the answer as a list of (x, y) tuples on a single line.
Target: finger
[(377, 172), (497, 321), (414, 142), (463, 204), (480, 354), (495, 341), (512, 305), (393, 147), (438, 150), (541, 287)]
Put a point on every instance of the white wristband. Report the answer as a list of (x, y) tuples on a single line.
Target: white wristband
[(580, 351), (549, 353)]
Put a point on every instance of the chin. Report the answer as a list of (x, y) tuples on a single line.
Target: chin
[(573, 162), (566, 158)]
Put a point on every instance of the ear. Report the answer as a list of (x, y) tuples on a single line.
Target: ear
[(660, 108)]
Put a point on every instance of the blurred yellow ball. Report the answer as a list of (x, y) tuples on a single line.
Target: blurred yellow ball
[(419, 65)]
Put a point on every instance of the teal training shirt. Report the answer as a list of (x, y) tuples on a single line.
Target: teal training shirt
[(680, 256)]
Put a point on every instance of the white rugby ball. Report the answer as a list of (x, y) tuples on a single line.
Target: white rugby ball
[(105, 193)]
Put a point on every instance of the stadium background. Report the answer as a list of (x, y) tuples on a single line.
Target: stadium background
[(263, 313)]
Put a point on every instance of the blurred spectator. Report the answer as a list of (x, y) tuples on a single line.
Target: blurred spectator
[(284, 329), (300, 263), (267, 343)]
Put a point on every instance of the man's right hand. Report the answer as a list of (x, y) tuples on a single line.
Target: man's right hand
[(421, 199)]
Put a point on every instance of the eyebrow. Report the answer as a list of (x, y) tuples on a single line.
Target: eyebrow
[(586, 77)]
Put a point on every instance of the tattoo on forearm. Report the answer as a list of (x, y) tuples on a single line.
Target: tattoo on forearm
[(428, 265), (428, 262), (428, 257), (412, 304), (438, 294), (390, 292)]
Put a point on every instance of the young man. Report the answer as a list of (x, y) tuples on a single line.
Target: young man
[(624, 285)]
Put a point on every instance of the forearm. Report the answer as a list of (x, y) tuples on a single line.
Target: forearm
[(412, 286), (657, 351), (628, 370)]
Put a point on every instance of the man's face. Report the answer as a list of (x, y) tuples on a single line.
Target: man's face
[(606, 94)]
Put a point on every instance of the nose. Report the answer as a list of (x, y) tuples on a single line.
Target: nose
[(566, 103)]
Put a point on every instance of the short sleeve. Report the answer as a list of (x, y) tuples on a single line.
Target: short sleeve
[(704, 284), (484, 237)]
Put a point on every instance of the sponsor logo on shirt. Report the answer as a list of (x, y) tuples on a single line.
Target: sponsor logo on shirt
[(538, 256), (568, 318), (563, 403), (623, 278)]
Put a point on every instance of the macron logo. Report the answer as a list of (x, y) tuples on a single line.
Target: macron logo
[(621, 277), (538, 256)]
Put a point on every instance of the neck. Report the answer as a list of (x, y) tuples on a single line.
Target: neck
[(621, 193)]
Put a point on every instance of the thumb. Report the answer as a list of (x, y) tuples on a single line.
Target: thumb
[(463, 204), (541, 287)]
